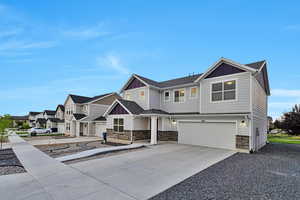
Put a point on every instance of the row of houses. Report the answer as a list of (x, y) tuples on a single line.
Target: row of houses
[(224, 107)]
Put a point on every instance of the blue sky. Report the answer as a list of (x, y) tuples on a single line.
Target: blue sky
[(49, 49)]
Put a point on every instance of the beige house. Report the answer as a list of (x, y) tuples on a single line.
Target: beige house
[(57, 123), (84, 115)]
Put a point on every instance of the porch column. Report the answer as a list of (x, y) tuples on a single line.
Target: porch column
[(153, 129), (77, 129)]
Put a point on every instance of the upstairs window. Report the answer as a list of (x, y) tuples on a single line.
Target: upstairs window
[(128, 96), (118, 124), (223, 91), (167, 96), (193, 92), (142, 94), (179, 95)]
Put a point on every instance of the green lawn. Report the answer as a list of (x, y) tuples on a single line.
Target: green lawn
[(284, 138)]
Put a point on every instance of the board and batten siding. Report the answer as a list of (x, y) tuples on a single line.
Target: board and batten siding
[(241, 104), (135, 96), (189, 104)]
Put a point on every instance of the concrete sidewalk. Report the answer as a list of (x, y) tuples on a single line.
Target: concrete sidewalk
[(47, 178)]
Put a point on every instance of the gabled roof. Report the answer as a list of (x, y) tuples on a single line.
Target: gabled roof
[(34, 113), (79, 99), (56, 120), (84, 99), (50, 112), (101, 118), (256, 65), (41, 120), (164, 84), (132, 106), (62, 107), (78, 116)]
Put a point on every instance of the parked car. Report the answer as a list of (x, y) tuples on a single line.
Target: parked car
[(35, 131)]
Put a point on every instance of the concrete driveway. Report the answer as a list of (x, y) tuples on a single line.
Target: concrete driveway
[(145, 173)]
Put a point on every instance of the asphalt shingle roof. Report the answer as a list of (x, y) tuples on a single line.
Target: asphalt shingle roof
[(83, 99), (20, 117), (62, 107), (172, 82), (155, 111), (50, 112), (56, 120), (79, 116), (132, 106), (34, 113), (255, 65)]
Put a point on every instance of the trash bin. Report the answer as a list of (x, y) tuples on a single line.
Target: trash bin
[(104, 135)]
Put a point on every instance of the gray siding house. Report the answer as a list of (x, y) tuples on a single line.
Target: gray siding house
[(84, 115), (224, 107)]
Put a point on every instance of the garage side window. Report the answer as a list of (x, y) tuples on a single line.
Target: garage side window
[(223, 91), (118, 124)]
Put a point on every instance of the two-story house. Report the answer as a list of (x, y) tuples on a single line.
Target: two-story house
[(41, 121), (57, 123), (33, 116), (224, 107), (84, 115)]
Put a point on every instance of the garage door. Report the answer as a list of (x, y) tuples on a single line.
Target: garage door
[(210, 134)]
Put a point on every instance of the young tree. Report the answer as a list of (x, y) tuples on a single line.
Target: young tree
[(5, 122)]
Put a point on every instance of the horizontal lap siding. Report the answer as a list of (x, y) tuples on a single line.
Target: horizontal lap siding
[(242, 104), (189, 105)]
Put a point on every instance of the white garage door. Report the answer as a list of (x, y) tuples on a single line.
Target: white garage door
[(210, 134)]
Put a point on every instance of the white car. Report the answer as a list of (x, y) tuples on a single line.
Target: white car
[(34, 131)]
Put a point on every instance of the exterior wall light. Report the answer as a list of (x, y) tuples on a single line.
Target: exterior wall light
[(173, 122), (243, 123)]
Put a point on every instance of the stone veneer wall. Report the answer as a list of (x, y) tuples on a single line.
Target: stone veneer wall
[(143, 135), (242, 142), (167, 136)]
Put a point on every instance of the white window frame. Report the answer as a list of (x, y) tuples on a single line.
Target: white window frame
[(165, 96), (179, 93), (128, 94), (223, 81), (142, 97), (196, 96), (118, 125)]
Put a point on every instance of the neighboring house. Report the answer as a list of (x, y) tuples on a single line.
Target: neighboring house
[(270, 123), (57, 123), (19, 120), (33, 116), (224, 107), (49, 114), (84, 115), (40, 123)]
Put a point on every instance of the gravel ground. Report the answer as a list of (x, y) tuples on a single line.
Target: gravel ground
[(58, 150), (9, 163), (272, 173)]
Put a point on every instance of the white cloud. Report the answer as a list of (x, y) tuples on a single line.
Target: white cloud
[(112, 62), (285, 93), (87, 33), (22, 45), (9, 32)]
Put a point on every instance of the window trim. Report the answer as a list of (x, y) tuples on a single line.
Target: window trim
[(179, 90), (195, 97), (169, 96), (223, 81), (140, 96), (118, 125)]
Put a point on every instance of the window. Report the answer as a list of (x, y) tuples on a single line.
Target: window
[(68, 126), (193, 92), (142, 94), (223, 91), (179, 95), (128, 96), (167, 96), (118, 124)]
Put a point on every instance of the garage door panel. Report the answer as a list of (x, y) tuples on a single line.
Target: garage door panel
[(214, 134)]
